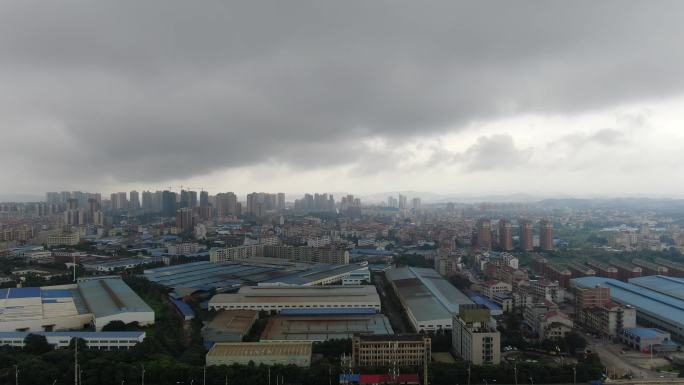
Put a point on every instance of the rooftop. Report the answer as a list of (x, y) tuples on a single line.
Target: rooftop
[(668, 308), (323, 328), (646, 332), (257, 349), (673, 287), (303, 294), (427, 294)]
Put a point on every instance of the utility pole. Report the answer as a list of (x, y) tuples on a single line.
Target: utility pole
[(142, 379), (204, 376), (515, 373), (75, 360), (269, 376), (468, 374), (574, 375), (16, 374)]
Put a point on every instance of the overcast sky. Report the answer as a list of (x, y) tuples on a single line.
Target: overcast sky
[(542, 97)]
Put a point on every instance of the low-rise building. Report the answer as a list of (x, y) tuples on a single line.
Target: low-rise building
[(490, 288), (267, 353), (93, 340), (474, 339), (405, 350), (277, 298), (647, 339), (69, 239)]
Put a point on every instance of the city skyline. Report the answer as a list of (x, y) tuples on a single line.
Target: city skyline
[(360, 97)]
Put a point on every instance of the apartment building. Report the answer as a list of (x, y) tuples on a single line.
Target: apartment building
[(473, 338), (403, 350)]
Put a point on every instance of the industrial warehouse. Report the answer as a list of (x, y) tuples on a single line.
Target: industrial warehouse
[(325, 324), (428, 299), (655, 298), (224, 276), (92, 303), (276, 298)]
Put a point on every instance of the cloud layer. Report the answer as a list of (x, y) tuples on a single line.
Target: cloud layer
[(120, 93)]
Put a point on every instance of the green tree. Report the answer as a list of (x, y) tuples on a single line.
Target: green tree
[(36, 344)]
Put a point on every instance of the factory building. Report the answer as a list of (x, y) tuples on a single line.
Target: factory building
[(657, 300), (277, 298), (428, 299), (267, 353), (93, 340), (68, 307)]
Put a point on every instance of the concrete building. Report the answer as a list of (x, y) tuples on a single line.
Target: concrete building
[(404, 350), (650, 268), (277, 298), (545, 235), (428, 299), (647, 339), (473, 338), (505, 235), (267, 353), (93, 340), (490, 288), (484, 234), (626, 270), (545, 289), (526, 235), (603, 270), (68, 239)]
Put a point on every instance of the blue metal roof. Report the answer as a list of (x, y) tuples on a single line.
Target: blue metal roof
[(657, 305), (484, 301), (184, 308), (645, 332), (56, 293), (671, 286), (24, 292)]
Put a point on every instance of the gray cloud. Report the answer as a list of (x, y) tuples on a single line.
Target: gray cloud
[(140, 92)]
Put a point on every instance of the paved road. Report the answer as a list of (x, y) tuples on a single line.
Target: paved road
[(616, 364)]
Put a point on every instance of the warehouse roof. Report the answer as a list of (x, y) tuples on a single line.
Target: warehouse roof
[(646, 332), (674, 287), (259, 349), (106, 297), (427, 294), (323, 328), (303, 294), (643, 299)]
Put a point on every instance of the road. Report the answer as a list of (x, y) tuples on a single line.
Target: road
[(616, 364)]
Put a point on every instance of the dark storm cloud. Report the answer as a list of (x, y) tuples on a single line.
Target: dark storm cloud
[(147, 91)]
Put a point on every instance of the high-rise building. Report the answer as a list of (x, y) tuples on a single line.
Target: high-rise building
[(526, 235), (402, 202), (147, 200), (134, 200), (545, 235), (415, 204), (184, 199), (484, 234), (226, 204), (192, 199), (392, 202), (473, 338), (119, 201), (168, 203), (505, 235), (185, 219), (204, 199), (280, 201), (52, 197)]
